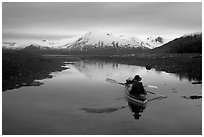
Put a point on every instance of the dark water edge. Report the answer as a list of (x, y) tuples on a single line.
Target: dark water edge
[(22, 68)]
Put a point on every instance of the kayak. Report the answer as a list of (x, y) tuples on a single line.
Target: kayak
[(135, 99)]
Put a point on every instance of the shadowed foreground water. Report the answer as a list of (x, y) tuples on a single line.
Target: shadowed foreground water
[(80, 101)]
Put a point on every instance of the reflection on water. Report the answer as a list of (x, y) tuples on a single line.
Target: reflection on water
[(102, 110), (80, 101), (157, 98), (136, 109), (189, 77), (82, 66)]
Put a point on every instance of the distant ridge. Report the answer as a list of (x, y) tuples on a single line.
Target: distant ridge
[(92, 40), (189, 43)]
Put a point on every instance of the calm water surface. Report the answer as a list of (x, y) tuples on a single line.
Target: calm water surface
[(79, 100)]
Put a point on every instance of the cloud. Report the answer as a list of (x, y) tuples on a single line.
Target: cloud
[(65, 19)]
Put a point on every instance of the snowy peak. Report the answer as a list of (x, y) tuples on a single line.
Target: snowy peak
[(156, 41), (96, 39)]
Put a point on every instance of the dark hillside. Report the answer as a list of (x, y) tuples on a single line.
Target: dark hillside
[(187, 44)]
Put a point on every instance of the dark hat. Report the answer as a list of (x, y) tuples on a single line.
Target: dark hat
[(137, 77)]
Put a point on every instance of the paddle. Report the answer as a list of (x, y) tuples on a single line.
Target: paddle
[(156, 93), (116, 82)]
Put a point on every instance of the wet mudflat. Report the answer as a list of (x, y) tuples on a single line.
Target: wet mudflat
[(22, 68), (79, 100)]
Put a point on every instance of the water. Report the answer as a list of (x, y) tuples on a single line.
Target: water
[(79, 100)]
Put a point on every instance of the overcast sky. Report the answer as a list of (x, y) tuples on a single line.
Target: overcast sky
[(64, 20)]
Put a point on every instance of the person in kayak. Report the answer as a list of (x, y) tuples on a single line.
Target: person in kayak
[(137, 87)]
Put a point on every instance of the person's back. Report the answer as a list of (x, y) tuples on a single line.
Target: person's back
[(137, 86)]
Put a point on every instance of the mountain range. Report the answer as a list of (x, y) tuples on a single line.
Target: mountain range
[(91, 40), (98, 41)]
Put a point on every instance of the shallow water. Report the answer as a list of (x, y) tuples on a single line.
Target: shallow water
[(79, 100)]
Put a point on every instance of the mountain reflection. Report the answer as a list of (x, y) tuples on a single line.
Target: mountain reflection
[(101, 70)]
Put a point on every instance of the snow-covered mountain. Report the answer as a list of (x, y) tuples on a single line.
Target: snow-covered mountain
[(42, 44), (91, 40), (96, 39), (8, 45), (156, 41)]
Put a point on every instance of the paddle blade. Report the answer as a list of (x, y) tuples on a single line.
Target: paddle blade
[(150, 86), (114, 81), (111, 81)]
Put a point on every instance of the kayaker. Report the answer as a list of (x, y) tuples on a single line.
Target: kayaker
[(137, 86)]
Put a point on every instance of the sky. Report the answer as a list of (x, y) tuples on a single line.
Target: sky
[(68, 19)]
